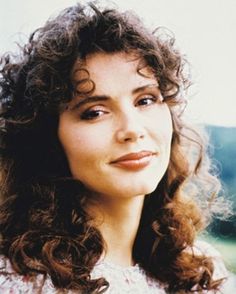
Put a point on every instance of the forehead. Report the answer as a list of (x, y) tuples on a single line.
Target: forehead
[(111, 71)]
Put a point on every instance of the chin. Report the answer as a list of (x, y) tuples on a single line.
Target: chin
[(144, 189), (126, 189)]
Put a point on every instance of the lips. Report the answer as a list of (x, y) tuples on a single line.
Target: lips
[(134, 161)]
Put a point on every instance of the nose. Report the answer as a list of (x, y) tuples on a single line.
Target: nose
[(130, 127)]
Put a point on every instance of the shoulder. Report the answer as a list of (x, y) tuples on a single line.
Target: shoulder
[(5, 266), (12, 282), (206, 249), (220, 272)]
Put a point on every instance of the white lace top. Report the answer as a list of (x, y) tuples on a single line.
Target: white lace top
[(130, 280)]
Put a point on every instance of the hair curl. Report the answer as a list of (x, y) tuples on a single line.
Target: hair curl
[(43, 221)]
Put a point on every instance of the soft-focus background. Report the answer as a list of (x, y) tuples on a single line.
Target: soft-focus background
[(206, 33)]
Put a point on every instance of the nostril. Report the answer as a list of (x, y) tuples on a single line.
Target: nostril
[(127, 139), (129, 136)]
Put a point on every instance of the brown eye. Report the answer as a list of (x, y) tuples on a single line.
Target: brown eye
[(93, 113), (145, 101)]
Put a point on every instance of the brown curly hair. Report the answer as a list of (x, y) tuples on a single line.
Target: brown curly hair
[(43, 222)]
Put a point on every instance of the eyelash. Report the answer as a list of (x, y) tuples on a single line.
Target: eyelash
[(92, 114), (154, 99)]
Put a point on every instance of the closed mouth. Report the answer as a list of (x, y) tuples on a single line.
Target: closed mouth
[(135, 161)]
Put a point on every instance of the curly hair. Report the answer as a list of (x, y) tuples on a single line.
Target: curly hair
[(43, 221)]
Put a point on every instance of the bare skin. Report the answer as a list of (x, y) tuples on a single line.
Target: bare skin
[(118, 224), (117, 142)]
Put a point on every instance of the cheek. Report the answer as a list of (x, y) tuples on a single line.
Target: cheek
[(78, 145), (82, 144), (168, 130), (161, 124)]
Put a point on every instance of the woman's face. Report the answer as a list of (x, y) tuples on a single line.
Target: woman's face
[(117, 140)]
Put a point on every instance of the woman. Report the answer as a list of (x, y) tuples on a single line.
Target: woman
[(100, 174)]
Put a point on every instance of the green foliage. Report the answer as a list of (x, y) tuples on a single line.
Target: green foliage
[(223, 151)]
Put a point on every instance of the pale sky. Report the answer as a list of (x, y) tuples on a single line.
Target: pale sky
[(205, 31)]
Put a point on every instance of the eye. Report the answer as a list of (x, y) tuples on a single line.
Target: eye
[(148, 100), (92, 113)]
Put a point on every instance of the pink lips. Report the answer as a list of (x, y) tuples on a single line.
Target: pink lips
[(134, 161)]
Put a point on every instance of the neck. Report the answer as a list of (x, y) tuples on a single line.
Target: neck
[(118, 222)]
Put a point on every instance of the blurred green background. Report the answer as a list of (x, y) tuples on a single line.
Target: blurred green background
[(222, 234)]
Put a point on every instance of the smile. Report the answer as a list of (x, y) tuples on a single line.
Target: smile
[(134, 161)]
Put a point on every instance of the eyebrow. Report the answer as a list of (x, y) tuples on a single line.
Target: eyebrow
[(96, 98), (145, 87)]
